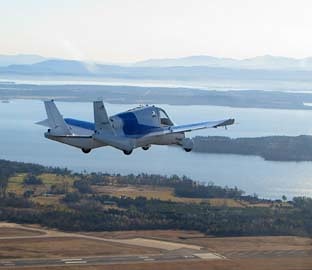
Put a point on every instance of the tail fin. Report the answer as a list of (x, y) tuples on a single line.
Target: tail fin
[(101, 119), (55, 120)]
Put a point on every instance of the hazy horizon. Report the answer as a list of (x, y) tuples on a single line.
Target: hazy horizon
[(47, 57), (128, 31)]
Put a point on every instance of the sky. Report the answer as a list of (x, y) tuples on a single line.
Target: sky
[(134, 30)]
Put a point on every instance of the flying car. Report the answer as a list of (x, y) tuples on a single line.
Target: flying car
[(139, 127)]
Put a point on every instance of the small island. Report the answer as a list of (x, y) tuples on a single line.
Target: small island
[(274, 148)]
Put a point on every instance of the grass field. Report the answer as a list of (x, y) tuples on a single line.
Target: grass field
[(163, 193), (61, 245), (242, 264), (55, 247), (218, 244), (10, 232)]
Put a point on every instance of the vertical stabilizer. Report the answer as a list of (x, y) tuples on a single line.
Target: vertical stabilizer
[(101, 119), (55, 119)]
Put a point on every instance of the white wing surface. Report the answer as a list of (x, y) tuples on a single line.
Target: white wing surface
[(202, 125), (191, 127)]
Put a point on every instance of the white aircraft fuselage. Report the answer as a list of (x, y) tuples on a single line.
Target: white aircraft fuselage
[(139, 127)]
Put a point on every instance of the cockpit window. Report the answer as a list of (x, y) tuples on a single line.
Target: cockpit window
[(164, 118)]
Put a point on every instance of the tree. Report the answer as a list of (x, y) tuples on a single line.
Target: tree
[(31, 179), (72, 197), (28, 193), (83, 186), (3, 187)]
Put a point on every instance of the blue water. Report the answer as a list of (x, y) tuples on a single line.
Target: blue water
[(22, 140)]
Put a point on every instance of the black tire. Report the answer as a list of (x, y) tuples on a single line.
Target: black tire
[(86, 151), (127, 152), (187, 149), (145, 148)]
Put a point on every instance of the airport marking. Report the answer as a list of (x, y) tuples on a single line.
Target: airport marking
[(75, 262), (208, 256), (74, 259)]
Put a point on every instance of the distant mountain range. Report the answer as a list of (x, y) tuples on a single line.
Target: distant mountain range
[(20, 59), (260, 62), (267, 62), (194, 68)]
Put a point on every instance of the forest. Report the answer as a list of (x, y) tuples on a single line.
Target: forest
[(274, 148), (77, 205)]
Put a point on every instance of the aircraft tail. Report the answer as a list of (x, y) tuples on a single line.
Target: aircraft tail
[(101, 120), (55, 120)]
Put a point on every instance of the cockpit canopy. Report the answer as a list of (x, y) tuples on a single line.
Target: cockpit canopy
[(141, 120), (164, 118)]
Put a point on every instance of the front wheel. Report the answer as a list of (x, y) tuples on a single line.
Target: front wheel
[(188, 149), (127, 152), (86, 150), (145, 148)]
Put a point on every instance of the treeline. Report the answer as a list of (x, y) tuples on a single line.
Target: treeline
[(11, 168), (89, 213), (80, 208), (275, 148), (183, 186)]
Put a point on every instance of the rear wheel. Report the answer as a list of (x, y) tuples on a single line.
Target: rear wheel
[(188, 149), (127, 152), (86, 150), (146, 147)]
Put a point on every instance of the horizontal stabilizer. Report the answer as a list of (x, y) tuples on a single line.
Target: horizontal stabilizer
[(44, 123)]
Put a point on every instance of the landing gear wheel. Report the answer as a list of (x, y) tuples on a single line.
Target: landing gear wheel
[(188, 149), (127, 152), (145, 148), (86, 150)]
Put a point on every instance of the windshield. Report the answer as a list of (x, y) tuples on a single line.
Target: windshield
[(164, 118)]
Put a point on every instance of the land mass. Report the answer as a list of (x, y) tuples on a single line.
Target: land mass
[(58, 198), (124, 94), (274, 148)]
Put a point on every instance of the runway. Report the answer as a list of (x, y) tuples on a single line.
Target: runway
[(126, 250), (102, 260)]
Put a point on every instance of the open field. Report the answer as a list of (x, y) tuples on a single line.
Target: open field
[(159, 249), (219, 244), (169, 235), (54, 247), (268, 243), (6, 232), (43, 197), (241, 264), (161, 193)]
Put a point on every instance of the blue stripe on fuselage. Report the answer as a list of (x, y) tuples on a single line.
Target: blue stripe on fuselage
[(132, 127), (80, 123)]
